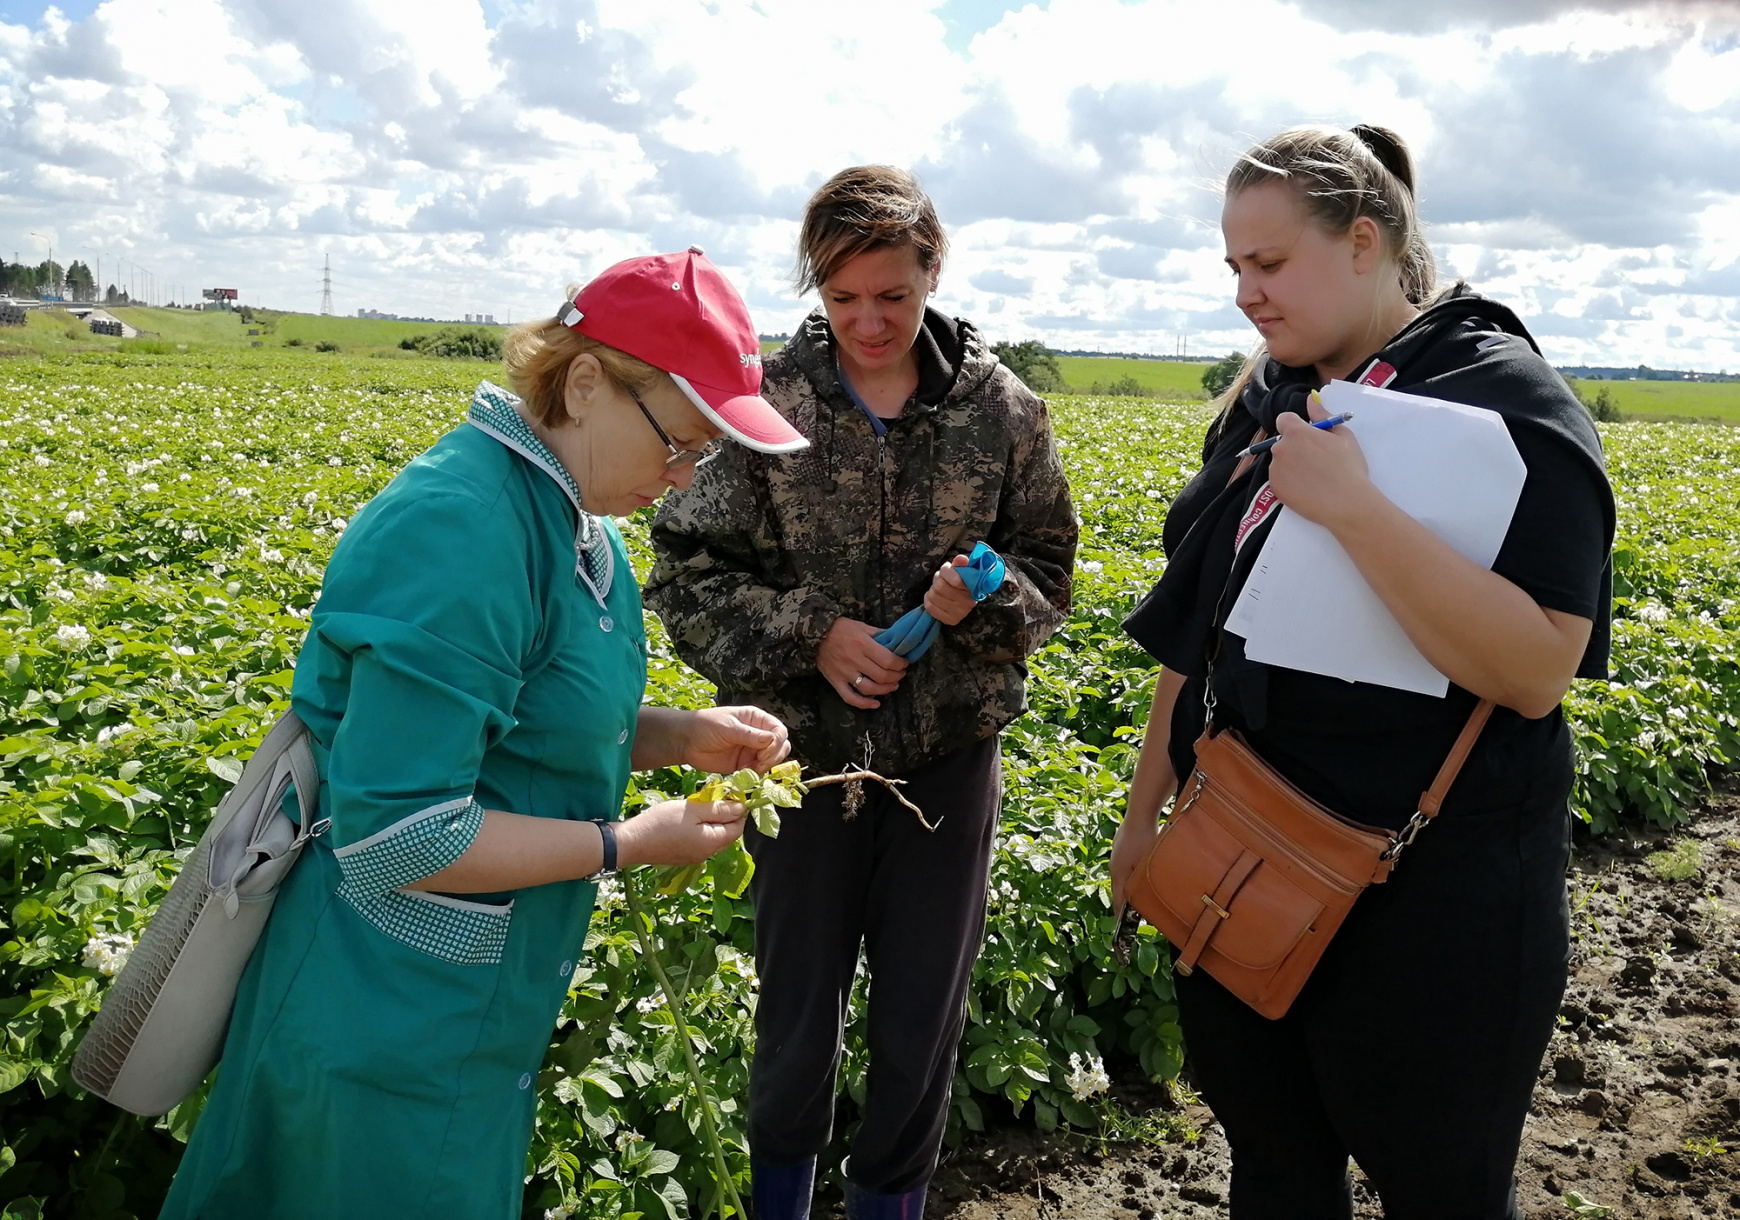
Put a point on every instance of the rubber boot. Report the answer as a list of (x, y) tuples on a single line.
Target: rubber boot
[(781, 1192), (862, 1205)]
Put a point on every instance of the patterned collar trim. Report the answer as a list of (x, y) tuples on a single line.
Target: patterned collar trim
[(494, 411)]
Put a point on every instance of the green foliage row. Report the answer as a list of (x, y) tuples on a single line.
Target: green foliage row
[(1602, 404), (1033, 363), (1218, 377), (454, 341), (163, 529)]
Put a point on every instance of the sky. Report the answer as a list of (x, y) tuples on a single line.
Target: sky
[(1579, 161)]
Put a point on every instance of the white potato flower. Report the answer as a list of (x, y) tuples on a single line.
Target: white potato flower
[(71, 635), (108, 951), (1086, 1078)]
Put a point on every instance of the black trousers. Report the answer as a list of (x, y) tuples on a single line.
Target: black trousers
[(916, 902), (1415, 1045)]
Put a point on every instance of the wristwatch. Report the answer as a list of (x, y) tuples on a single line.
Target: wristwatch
[(607, 832)]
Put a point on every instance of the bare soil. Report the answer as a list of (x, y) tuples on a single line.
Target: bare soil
[(1637, 1108)]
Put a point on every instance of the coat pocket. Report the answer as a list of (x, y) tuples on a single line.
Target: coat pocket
[(447, 928)]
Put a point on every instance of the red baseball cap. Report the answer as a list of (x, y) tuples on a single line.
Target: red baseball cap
[(678, 313)]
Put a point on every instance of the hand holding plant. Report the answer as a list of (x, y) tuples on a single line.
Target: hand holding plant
[(679, 834), (760, 797)]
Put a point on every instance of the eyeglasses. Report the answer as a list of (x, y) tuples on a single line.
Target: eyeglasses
[(679, 457)]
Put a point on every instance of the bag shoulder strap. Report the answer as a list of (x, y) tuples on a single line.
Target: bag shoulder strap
[(1433, 798), (284, 748)]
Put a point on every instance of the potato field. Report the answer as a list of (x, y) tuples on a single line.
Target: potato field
[(164, 522)]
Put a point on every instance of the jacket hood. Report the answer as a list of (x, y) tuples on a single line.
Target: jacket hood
[(953, 358)]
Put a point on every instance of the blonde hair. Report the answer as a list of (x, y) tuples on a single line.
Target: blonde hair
[(1339, 176), (867, 207), (537, 356)]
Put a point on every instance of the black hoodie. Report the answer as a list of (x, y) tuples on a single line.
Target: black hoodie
[(1368, 751)]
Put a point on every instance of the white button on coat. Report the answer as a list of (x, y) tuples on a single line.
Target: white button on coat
[(606, 623), (526, 1081), (566, 969), (622, 737)]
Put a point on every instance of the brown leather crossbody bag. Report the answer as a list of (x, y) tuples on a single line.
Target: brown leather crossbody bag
[(1250, 878)]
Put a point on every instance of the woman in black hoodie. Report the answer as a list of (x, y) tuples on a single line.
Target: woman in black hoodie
[(1414, 1046)]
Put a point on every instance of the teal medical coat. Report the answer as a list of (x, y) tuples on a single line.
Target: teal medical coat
[(477, 644)]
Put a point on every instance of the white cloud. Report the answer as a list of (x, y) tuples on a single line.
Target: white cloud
[(1581, 160)]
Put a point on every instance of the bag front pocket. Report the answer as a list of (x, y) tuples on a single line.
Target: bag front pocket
[(1260, 921)]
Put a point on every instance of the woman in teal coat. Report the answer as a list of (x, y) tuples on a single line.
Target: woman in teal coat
[(473, 679)]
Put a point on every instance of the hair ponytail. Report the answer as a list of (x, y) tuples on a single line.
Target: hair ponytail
[(1392, 153)]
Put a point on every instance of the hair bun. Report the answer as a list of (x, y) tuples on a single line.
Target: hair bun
[(1390, 150)]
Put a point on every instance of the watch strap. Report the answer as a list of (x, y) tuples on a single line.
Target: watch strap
[(607, 833)]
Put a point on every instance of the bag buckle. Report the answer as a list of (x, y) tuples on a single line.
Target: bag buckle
[(1214, 906), (1403, 837), (1195, 791)]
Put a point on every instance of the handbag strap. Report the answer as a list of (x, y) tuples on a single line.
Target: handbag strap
[(1432, 799)]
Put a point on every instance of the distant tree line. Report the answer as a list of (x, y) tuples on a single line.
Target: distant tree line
[(1641, 373), (47, 278)]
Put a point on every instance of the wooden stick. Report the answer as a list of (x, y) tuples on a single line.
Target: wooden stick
[(893, 786)]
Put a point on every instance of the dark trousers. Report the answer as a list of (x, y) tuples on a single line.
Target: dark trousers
[(916, 902), (1414, 1047)]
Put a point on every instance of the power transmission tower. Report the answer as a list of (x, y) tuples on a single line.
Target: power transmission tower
[(326, 290)]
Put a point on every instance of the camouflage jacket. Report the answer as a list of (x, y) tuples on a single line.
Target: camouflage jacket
[(757, 559)]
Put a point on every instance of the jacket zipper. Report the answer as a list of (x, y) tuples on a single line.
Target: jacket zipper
[(882, 529)]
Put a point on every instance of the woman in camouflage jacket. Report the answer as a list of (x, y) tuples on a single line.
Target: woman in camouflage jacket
[(774, 574)]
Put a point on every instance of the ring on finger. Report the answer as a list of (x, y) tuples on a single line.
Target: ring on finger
[(857, 680)]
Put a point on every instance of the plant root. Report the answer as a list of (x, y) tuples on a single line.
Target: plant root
[(858, 777)]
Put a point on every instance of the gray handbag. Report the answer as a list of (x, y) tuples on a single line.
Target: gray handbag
[(162, 1024)]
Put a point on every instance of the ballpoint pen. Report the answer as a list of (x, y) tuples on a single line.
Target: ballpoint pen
[(1265, 446)]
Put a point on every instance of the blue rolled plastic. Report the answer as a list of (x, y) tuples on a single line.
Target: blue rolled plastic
[(915, 631)]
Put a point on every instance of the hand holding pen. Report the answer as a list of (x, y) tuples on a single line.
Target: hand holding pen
[(1265, 446), (1322, 474)]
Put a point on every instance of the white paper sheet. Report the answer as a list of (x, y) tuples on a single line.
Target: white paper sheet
[(1451, 467)]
